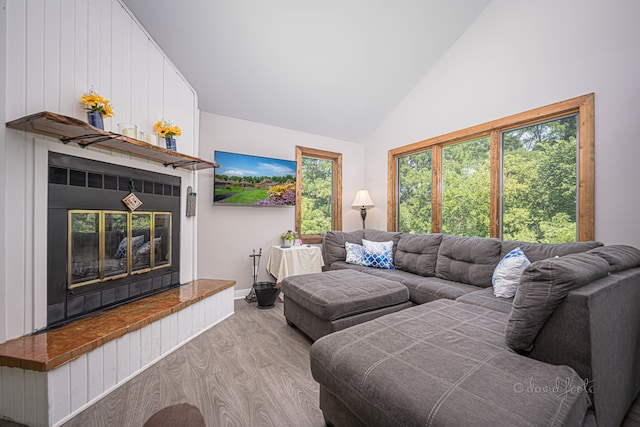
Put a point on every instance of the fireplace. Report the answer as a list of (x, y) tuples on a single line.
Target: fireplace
[(99, 254)]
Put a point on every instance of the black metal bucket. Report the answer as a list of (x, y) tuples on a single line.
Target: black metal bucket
[(266, 293)]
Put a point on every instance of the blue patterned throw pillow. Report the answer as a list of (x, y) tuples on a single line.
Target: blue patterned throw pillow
[(355, 253), (378, 254)]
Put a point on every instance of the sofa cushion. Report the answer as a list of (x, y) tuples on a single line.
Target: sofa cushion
[(418, 253), (485, 298), (426, 289), (333, 245), (336, 294), (542, 287), (619, 257), (394, 274), (382, 236), (538, 251), (421, 289), (468, 260), (344, 265), (443, 364)]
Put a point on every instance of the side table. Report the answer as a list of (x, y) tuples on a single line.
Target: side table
[(294, 260)]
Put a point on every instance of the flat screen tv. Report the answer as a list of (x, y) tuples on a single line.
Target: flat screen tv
[(245, 180)]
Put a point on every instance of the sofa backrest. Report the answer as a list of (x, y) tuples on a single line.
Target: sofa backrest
[(537, 251), (418, 253), (333, 245), (468, 260), (383, 236)]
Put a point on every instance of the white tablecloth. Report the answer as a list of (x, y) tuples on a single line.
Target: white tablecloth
[(285, 262)]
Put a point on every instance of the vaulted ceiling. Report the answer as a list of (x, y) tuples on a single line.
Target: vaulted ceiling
[(335, 68)]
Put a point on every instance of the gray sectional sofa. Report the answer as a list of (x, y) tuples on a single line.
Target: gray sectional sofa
[(564, 351)]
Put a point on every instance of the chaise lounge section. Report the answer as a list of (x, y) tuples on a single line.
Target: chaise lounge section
[(564, 351), (442, 363)]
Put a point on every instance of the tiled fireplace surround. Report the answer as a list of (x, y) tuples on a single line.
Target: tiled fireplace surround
[(82, 277), (47, 378)]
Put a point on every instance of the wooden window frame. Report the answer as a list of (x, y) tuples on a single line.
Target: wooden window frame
[(336, 220), (585, 215)]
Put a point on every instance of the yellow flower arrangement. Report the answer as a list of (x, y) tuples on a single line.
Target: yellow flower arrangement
[(166, 129), (94, 102)]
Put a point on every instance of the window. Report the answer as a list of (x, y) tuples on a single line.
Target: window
[(466, 188), (539, 181), (414, 192), (318, 193), (525, 177)]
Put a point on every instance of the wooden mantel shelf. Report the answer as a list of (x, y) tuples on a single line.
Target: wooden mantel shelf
[(69, 129)]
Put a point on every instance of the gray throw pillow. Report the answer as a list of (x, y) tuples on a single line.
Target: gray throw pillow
[(543, 286)]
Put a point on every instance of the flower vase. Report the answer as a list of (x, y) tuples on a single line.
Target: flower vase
[(94, 118), (170, 143), (288, 243)]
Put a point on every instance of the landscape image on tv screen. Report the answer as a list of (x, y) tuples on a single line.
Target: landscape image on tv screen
[(253, 180)]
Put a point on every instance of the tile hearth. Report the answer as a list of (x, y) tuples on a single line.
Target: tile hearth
[(47, 377)]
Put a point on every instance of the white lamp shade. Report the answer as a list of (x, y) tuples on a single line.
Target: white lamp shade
[(362, 200)]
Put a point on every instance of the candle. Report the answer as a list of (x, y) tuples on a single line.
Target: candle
[(130, 132), (128, 129), (151, 139)]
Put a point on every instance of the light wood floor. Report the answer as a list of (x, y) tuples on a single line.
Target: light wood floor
[(250, 370)]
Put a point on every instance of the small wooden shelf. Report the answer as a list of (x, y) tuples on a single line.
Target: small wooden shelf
[(68, 129)]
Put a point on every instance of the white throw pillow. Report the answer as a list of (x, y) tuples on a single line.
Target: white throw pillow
[(507, 274), (355, 253)]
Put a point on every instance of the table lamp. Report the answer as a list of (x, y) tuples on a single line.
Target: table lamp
[(363, 202)]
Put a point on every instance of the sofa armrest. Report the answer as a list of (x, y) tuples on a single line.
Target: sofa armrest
[(596, 331)]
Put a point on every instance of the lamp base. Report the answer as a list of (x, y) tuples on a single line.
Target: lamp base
[(363, 214)]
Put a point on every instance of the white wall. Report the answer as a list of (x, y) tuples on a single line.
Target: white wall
[(55, 51), (228, 234), (520, 55)]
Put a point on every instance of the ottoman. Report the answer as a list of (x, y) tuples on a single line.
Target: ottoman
[(321, 303)]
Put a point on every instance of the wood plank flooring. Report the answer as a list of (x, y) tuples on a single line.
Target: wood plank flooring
[(250, 370)]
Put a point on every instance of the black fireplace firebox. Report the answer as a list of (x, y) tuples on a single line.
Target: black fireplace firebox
[(99, 254)]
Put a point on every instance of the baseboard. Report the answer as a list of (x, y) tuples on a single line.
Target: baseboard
[(240, 293)]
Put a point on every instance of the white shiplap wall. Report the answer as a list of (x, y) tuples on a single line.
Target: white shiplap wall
[(3, 201), (51, 398), (55, 51)]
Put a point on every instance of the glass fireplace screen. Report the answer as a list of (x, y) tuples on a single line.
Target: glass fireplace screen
[(107, 245)]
